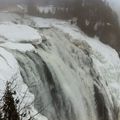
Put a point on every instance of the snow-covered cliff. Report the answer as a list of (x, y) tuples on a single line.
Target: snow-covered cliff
[(72, 76)]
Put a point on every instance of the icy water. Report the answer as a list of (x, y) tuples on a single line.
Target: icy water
[(63, 80)]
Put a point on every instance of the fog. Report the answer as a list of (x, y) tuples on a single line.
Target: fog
[(115, 4)]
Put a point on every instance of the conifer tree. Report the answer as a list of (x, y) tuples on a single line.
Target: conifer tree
[(1, 117), (9, 106), (32, 8)]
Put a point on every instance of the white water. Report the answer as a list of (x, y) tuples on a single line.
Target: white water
[(64, 80)]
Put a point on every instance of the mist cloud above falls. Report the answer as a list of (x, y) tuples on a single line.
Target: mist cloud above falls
[(115, 4)]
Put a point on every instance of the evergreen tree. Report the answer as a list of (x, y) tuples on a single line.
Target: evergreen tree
[(32, 8), (9, 107), (1, 115)]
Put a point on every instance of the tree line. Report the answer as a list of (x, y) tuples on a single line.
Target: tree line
[(94, 17)]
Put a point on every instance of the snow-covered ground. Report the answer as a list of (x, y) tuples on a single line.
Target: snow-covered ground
[(18, 46)]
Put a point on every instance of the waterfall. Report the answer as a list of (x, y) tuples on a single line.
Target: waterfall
[(62, 77)]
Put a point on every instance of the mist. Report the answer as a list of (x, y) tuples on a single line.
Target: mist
[(115, 4)]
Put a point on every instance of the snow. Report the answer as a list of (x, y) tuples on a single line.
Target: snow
[(18, 46), (19, 33), (46, 9), (6, 66), (6, 16), (46, 22), (41, 22)]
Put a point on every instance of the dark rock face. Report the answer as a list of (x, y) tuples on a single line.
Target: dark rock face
[(101, 106)]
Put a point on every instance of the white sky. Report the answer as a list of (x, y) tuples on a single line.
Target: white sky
[(115, 4)]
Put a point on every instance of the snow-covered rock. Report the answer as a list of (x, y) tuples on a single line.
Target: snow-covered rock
[(40, 22), (18, 46), (19, 33)]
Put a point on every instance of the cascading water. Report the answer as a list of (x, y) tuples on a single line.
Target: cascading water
[(63, 80)]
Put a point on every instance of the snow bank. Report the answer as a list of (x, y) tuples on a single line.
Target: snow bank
[(75, 34), (19, 33), (63, 26), (41, 22)]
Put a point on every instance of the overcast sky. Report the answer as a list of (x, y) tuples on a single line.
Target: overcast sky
[(115, 4)]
